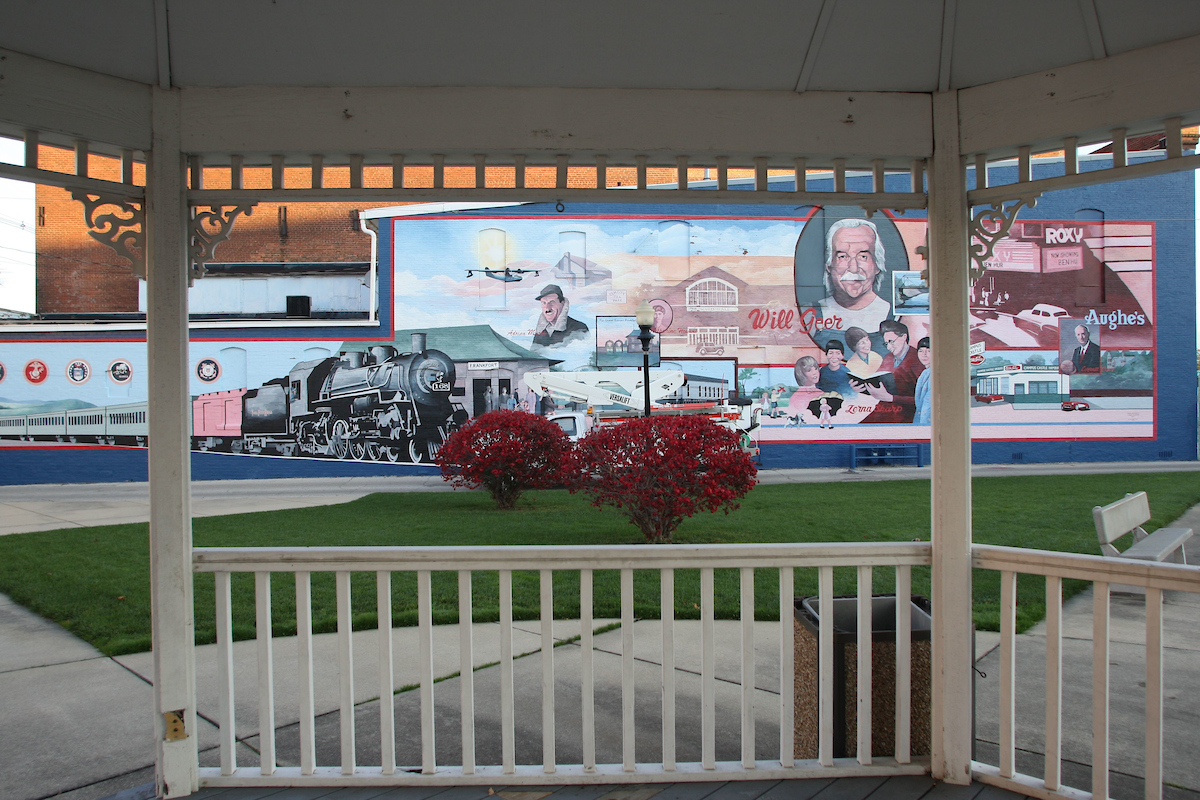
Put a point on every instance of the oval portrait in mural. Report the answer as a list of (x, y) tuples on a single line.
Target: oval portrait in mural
[(844, 265)]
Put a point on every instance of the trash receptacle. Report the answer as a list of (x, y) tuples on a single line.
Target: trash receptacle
[(845, 672)]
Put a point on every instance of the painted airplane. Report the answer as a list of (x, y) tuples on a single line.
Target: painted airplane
[(508, 275)]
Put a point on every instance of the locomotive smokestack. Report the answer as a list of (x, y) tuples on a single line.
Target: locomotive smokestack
[(418, 342)]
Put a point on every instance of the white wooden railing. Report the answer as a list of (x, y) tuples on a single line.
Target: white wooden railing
[(1102, 572), (384, 561)]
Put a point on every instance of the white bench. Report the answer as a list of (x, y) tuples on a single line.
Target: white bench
[(1128, 515)]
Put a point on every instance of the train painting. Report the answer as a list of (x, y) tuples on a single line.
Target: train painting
[(377, 405)]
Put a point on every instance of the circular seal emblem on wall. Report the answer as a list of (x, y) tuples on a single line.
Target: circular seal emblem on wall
[(208, 370), (120, 371), (36, 371), (79, 371)]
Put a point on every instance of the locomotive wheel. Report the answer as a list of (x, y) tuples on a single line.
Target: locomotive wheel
[(416, 451), (339, 439), (375, 451), (358, 449), (392, 454)]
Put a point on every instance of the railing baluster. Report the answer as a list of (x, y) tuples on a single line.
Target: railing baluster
[(277, 172), (839, 174), (681, 172), (787, 662), (864, 664), (825, 668), (317, 171), (425, 668), (903, 664), (628, 731), (480, 170), (345, 672), (760, 174), (586, 676), (560, 173), (439, 171), (397, 170), (304, 670), (747, 613), (31, 149), (81, 157), (507, 735), (916, 175), (1008, 668), (126, 166), (1173, 133), (547, 614), (356, 171), (1120, 152), (722, 173), (708, 702), (1100, 619), (266, 672), (1071, 155), (387, 686), (667, 604), (641, 171), (466, 663), (1053, 771), (235, 171), (225, 705), (519, 171), (601, 172), (1154, 694)]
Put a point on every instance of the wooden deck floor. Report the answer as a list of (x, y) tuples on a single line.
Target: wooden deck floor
[(897, 788)]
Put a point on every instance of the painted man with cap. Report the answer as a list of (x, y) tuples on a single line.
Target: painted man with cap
[(554, 327)]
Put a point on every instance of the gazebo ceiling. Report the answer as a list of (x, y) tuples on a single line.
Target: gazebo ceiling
[(622, 79), (781, 45)]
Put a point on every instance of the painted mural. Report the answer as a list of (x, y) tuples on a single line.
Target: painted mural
[(820, 319)]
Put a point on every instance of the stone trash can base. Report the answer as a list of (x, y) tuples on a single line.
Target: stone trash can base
[(883, 677)]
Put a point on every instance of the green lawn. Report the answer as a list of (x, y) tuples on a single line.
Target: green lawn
[(95, 581)]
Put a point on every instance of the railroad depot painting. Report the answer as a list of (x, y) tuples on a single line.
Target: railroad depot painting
[(819, 319)]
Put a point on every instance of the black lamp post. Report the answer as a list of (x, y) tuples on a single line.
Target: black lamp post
[(645, 318)]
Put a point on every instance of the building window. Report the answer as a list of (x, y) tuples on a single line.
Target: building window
[(712, 294)]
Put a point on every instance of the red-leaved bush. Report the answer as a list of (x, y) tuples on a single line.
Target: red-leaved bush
[(505, 452), (659, 470)]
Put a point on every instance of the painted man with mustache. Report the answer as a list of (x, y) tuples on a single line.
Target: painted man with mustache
[(854, 276)]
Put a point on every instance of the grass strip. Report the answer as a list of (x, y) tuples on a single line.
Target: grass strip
[(95, 581)]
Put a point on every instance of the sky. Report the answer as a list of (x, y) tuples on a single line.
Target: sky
[(17, 237)]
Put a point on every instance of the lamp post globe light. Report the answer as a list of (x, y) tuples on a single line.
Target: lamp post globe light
[(645, 318)]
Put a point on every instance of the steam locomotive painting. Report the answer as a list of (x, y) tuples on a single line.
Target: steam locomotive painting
[(375, 405), (378, 405)]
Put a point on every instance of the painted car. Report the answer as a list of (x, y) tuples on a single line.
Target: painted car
[(1075, 405), (1040, 316), (990, 398)]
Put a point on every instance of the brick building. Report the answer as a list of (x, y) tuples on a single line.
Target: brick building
[(77, 275)]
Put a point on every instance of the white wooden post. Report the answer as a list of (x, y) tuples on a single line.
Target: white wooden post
[(951, 449), (169, 440)]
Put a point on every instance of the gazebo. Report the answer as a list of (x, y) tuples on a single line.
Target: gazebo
[(934, 90)]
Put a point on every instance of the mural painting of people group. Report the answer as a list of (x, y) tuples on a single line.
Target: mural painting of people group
[(821, 317)]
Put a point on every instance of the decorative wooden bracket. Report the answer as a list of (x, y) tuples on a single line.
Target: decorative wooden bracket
[(123, 229), (208, 229), (990, 225)]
